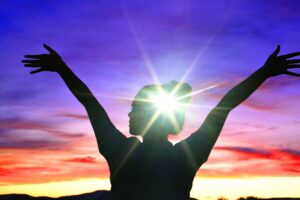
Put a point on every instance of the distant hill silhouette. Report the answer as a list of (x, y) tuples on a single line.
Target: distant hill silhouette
[(256, 198), (97, 195), (105, 195)]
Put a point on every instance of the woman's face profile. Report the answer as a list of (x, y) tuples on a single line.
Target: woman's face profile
[(139, 118), (156, 109), (144, 119)]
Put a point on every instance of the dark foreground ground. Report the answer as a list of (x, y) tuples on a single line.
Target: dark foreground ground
[(102, 195)]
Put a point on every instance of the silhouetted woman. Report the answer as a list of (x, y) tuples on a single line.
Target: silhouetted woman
[(155, 168)]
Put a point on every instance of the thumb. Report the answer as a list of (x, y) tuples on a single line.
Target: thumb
[(50, 49), (275, 53)]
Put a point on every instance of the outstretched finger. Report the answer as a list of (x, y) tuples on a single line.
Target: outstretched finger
[(38, 56), (292, 73), (32, 65), (293, 66), (293, 61), (290, 55), (50, 49), (36, 71), (31, 61)]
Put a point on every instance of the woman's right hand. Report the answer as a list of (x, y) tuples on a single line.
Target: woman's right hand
[(45, 62)]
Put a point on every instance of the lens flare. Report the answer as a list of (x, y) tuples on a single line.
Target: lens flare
[(165, 103)]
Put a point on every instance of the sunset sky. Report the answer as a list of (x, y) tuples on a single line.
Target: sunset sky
[(47, 146)]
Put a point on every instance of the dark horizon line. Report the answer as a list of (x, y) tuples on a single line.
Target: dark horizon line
[(105, 194)]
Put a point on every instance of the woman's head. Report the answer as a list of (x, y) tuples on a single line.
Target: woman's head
[(158, 108)]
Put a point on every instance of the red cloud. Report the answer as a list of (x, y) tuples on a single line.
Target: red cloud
[(246, 152), (4, 172), (262, 162), (255, 153), (87, 159)]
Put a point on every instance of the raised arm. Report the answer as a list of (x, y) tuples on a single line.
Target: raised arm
[(106, 134), (203, 140)]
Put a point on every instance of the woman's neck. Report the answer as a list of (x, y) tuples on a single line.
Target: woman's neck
[(155, 139)]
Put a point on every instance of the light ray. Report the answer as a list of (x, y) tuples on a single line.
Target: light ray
[(117, 97), (124, 159), (185, 105), (189, 153), (173, 121), (151, 101), (148, 126), (127, 98), (151, 121), (141, 48), (197, 91), (163, 104), (203, 50)]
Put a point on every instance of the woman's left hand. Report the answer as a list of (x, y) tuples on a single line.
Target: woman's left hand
[(277, 65)]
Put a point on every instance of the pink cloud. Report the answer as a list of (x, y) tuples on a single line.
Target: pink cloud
[(74, 115), (27, 124)]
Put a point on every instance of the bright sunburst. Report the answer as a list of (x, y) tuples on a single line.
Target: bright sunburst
[(165, 102)]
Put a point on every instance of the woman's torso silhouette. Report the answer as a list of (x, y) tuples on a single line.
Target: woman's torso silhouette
[(139, 171)]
